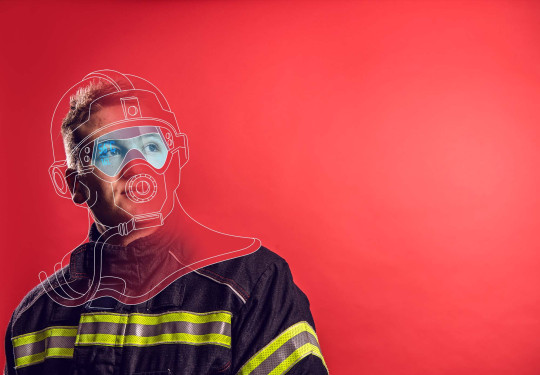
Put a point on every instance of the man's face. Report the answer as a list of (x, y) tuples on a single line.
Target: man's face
[(113, 188)]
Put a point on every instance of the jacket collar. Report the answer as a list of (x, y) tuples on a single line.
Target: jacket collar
[(140, 256)]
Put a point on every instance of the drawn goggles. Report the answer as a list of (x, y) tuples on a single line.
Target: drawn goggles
[(111, 151)]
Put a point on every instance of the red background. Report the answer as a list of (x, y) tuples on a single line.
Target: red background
[(388, 150)]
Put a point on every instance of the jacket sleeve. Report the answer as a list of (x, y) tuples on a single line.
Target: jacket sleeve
[(8, 348), (274, 331)]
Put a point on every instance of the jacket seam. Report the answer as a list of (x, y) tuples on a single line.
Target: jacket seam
[(236, 292), (263, 276), (225, 279), (227, 365)]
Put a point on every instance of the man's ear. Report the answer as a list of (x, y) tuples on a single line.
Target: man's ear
[(79, 191)]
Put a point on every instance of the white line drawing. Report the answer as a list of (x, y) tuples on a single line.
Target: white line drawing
[(118, 153)]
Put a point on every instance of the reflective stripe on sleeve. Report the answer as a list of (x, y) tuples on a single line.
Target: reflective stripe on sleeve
[(146, 330), (51, 342), (282, 353)]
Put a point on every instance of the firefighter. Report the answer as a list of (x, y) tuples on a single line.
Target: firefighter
[(151, 291)]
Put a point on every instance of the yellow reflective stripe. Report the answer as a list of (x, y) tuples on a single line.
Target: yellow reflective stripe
[(148, 319), (186, 338), (116, 336), (103, 318), (40, 357), (41, 340), (30, 338), (33, 340), (264, 353), (296, 356), (181, 317), (277, 343)]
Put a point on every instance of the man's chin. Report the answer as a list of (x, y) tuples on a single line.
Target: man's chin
[(130, 209), (111, 218), (122, 212)]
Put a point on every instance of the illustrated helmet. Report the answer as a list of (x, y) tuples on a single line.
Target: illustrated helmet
[(141, 130)]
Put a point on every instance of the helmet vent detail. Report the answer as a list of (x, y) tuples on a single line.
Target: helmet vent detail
[(131, 107)]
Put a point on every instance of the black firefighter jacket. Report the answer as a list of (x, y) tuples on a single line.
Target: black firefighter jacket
[(240, 316)]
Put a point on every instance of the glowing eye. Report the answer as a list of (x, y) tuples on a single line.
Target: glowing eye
[(109, 152)]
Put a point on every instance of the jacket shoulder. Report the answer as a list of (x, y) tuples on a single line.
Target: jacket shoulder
[(242, 274), (36, 300)]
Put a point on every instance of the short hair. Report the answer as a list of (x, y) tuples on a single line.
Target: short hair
[(79, 105)]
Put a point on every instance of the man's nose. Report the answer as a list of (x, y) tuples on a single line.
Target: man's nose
[(135, 167)]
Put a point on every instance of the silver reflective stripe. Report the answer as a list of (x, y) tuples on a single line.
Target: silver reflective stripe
[(111, 329), (143, 330), (41, 346), (284, 351), (51, 342)]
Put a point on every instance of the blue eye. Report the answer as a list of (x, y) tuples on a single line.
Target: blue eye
[(108, 151), (151, 147)]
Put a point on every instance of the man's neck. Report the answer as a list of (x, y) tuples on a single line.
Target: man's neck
[(115, 239)]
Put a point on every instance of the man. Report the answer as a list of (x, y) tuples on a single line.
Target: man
[(152, 291)]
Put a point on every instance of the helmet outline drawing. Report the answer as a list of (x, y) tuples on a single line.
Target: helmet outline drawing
[(134, 102)]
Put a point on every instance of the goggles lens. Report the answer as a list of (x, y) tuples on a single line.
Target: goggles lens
[(114, 150)]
